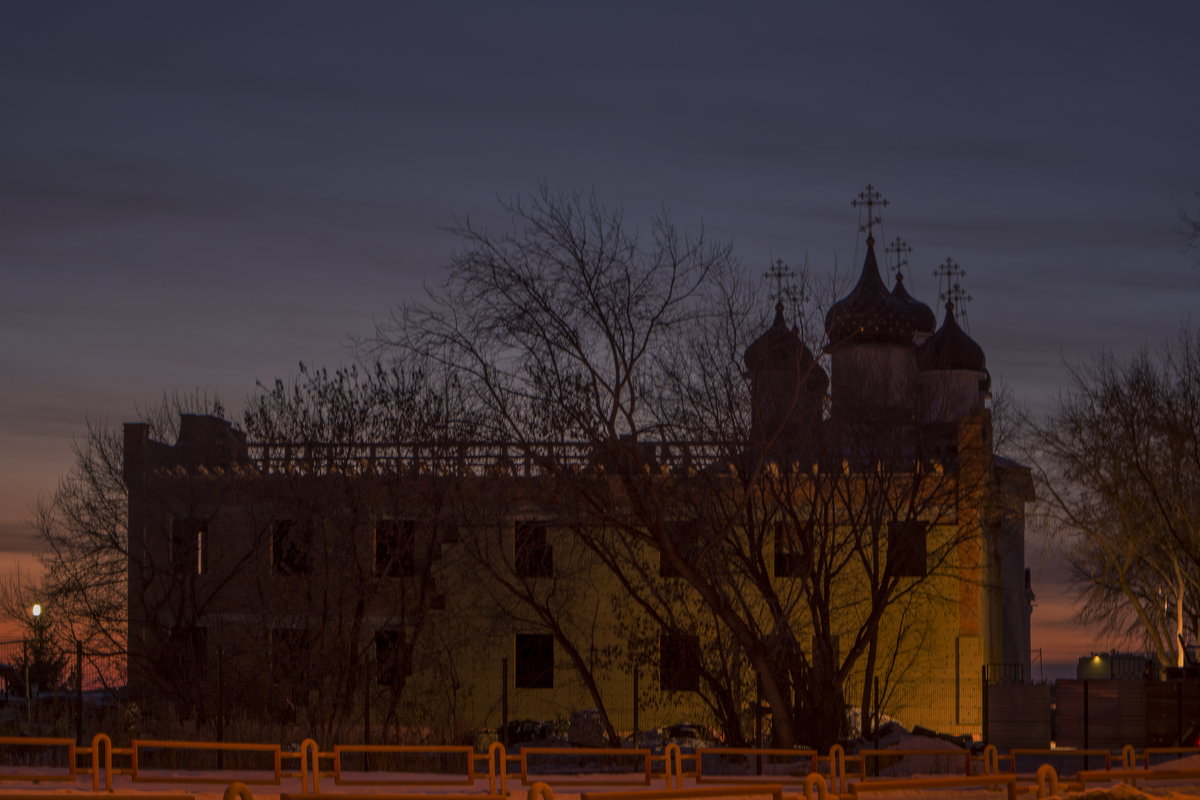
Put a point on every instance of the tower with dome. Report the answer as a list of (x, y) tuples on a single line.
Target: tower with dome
[(892, 392)]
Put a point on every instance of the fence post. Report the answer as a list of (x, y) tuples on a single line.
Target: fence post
[(635, 704), (366, 708), (220, 705), (504, 701), (79, 693), (28, 693), (758, 712), (875, 715), (1085, 723), (984, 731), (1179, 711)]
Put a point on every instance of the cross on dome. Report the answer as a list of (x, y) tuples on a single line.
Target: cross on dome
[(954, 296), (869, 198), (900, 249), (780, 272), (956, 300), (948, 272), (957, 295)]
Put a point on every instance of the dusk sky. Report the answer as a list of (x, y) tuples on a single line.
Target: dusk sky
[(202, 195)]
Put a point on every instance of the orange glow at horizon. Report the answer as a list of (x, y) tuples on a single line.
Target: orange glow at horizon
[(31, 570)]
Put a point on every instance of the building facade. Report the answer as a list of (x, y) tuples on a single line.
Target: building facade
[(864, 533)]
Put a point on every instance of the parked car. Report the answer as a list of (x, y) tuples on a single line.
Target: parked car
[(520, 731)]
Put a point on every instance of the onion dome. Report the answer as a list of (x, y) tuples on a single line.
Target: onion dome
[(780, 348), (950, 348), (921, 316), (870, 314)]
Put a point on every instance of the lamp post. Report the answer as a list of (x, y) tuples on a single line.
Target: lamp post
[(36, 611), (38, 628)]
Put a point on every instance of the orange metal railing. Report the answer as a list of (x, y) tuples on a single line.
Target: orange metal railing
[(837, 766), (1148, 754), (775, 791), (42, 742), (1008, 781), (606, 766)]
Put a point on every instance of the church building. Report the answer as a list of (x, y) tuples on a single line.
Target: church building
[(450, 588)]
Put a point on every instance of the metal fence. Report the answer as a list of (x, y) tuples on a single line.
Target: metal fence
[(49, 690), (950, 707)]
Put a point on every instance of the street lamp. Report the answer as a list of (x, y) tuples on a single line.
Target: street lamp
[(30, 656), (38, 630)]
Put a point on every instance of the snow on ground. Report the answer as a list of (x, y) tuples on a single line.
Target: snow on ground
[(1124, 792), (207, 786)]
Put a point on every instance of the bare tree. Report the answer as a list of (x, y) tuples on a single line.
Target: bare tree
[(809, 569), (83, 530), (558, 329), (337, 563), (554, 327), (18, 594), (569, 327), (1119, 463), (42, 660), (358, 560)]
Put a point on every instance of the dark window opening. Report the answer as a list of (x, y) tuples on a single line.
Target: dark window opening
[(390, 666), (189, 546), (685, 539), (679, 662), (291, 548), (534, 661), (533, 556), (788, 563), (395, 548), (907, 548)]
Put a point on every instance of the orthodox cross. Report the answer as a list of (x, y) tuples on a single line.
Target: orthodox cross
[(780, 272), (959, 298), (949, 273), (869, 198), (954, 292), (785, 289), (901, 250)]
